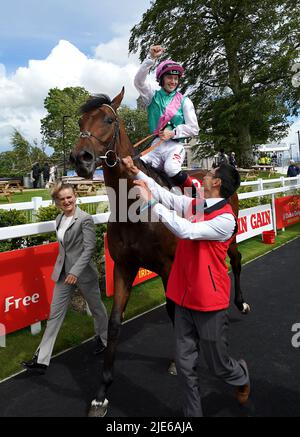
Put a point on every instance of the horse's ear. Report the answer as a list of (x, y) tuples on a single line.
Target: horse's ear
[(118, 99)]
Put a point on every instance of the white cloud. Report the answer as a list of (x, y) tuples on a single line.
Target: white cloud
[(22, 94), (292, 136)]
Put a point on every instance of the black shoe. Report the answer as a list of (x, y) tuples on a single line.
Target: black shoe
[(34, 367), (100, 347)]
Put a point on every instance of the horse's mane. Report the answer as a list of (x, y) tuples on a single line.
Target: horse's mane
[(95, 102)]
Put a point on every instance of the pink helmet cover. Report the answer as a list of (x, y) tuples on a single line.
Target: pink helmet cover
[(168, 65)]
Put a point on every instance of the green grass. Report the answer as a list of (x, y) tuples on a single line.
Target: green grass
[(26, 196), (254, 247), (78, 327)]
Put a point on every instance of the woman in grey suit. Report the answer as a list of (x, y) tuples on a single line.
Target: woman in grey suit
[(74, 267)]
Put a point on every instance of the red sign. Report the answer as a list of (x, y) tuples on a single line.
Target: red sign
[(26, 287), (143, 274), (287, 211)]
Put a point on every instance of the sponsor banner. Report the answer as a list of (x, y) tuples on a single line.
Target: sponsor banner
[(142, 276), (253, 221), (287, 211), (26, 287)]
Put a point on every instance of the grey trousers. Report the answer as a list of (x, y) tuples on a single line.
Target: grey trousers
[(59, 306), (208, 330)]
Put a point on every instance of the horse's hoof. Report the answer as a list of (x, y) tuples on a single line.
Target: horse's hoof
[(172, 369), (246, 308), (98, 409)]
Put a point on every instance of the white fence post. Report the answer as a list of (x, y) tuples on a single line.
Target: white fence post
[(37, 203), (2, 335), (274, 214), (282, 179), (36, 328), (261, 184)]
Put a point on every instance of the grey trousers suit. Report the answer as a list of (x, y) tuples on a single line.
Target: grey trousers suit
[(207, 331), (74, 258)]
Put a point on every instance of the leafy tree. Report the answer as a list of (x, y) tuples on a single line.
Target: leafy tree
[(60, 126), (238, 56), (135, 122), (23, 155), (22, 152), (7, 163)]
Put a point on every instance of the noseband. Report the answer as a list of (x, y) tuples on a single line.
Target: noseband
[(111, 147)]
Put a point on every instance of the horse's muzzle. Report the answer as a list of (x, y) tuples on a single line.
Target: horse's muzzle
[(84, 162)]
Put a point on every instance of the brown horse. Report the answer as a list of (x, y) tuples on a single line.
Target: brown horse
[(103, 139)]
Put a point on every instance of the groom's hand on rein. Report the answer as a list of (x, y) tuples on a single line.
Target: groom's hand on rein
[(144, 192), (129, 165)]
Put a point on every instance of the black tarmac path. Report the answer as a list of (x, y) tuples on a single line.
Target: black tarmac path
[(142, 387)]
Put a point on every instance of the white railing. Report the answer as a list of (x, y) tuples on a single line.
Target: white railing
[(271, 191), (37, 202), (282, 181), (45, 227), (41, 227)]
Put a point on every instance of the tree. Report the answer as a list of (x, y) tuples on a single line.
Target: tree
[(60, 126), (135, 122), (24, 154), (7, 163), (238, 56), (22, 151)]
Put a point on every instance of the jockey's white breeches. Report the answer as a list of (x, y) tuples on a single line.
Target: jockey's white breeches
[(168, 156)]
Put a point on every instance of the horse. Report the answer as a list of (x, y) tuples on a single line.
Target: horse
[(103, 140)]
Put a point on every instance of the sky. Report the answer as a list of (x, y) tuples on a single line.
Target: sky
[(61, 43)]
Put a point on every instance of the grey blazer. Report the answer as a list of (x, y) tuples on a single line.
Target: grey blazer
[(78, 246)]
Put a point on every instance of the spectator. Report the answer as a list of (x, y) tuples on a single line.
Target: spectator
[(36, 171), (293, 169), (74, 266), (46, 173), (232, 160), (221, 158), (274, 159), (53, 174)]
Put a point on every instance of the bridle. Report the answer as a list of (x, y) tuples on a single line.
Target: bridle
[(111, 146)]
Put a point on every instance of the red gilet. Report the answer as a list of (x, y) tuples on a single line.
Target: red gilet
[(199, 276)]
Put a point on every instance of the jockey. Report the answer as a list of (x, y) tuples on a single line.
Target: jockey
[(170, 115)]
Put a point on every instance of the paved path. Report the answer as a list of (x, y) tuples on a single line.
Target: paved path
[(142, 387)]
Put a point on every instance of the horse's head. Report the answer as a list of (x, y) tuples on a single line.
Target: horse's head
[(99, 134)]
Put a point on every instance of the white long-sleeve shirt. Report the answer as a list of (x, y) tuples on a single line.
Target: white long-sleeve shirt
[(173, 208), (147, 91)]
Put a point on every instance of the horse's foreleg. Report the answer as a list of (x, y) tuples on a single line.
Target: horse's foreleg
[(123, 279), (170, 307), (235, 261)]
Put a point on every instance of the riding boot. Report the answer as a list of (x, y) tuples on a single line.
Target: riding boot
[(185, 181)]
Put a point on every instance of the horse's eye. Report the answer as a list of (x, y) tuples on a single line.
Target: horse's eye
[(108, 120)]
